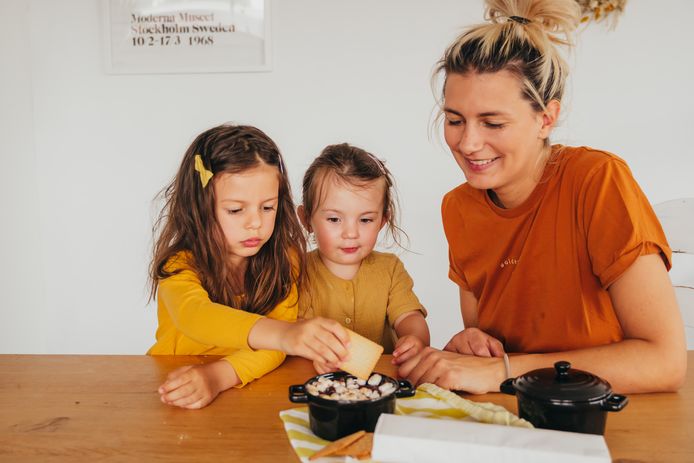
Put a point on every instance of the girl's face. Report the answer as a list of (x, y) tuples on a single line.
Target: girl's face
[(245, 207), (346, 223), (496, 137)]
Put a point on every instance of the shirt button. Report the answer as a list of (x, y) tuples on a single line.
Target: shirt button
[(348, 320)]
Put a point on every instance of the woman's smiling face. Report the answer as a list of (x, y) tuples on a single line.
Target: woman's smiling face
[(495, 135)]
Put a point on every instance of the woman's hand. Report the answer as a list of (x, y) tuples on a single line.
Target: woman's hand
[(195, 386), (473, 341), (477, 375), (407, 347), (319, 339)]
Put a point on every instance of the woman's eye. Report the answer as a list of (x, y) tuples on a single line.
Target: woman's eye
[(454, 122), (492, 125)]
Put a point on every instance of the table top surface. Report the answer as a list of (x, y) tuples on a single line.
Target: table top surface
[(106, 408)]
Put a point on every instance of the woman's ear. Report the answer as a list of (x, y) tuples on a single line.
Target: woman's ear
[(301, 212), (549, 118)]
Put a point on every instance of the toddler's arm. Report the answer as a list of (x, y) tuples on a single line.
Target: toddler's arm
[(413, 335)]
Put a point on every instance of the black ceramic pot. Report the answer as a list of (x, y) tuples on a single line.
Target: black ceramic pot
[(332, 419), (564, 399)]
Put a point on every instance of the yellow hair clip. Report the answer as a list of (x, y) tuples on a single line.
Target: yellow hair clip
[(205, 175)]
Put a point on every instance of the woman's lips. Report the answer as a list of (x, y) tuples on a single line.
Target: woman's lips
[(251, 243), (349, 250), (480, 166)]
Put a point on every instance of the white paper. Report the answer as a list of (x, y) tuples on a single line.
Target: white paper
[(405, 439)]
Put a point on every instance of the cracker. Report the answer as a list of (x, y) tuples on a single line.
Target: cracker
[(337, 445), (364, 354), (361, 448)]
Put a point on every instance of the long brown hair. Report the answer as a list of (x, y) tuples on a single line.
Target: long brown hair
[(354, 166), (188, 223)]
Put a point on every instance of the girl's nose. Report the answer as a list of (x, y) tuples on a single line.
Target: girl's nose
[(350, 230), (254, 220)]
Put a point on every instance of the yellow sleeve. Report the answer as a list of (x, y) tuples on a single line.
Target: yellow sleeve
[(402, 298), (196, 316), (249, 364)]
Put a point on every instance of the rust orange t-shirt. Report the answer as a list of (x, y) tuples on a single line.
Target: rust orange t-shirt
[(540, 271)]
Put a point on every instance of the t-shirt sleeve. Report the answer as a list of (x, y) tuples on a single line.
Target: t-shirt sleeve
[(450, 217), (619, 222), (402, 298)]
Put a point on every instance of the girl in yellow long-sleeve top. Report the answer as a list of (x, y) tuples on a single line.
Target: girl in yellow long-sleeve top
[(225, 268)]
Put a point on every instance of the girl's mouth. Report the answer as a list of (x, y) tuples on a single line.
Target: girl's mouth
[(251, 243), (349, 250)]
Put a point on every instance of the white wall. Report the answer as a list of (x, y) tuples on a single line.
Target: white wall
[(84, 153)]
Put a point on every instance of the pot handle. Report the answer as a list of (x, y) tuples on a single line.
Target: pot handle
[(297, 394), (615, 403), (507, 387), (405, 389)]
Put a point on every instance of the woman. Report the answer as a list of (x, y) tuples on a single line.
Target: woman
[(556, 250)]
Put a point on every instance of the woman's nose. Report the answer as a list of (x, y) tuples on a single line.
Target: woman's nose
[(470, 140)]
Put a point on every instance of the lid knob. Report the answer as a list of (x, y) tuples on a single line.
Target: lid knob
[(562, 369)]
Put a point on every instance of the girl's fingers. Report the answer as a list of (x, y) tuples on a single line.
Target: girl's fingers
[(173, 384), (332, 345), (178, 372), (178, 393)]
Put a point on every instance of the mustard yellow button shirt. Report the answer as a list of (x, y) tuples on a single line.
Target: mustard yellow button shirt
[(368, 304), (191, 324)]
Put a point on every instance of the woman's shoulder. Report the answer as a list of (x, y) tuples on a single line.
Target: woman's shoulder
[(463, 193), (584, 159)]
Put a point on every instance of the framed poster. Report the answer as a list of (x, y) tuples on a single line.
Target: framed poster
[(186, 36)]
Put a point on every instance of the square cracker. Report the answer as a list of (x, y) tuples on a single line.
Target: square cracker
[(337, 445), (364, 354), (360, 448)]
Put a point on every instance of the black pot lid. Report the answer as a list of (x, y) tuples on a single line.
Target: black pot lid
[(562, 383)]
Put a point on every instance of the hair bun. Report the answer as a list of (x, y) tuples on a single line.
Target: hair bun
[(557, 18)]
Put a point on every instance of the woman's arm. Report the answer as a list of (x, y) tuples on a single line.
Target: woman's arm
[(651, 358)]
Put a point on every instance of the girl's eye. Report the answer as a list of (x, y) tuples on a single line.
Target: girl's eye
[(365, 220), (233, 211), (333, 219), (269, 208)]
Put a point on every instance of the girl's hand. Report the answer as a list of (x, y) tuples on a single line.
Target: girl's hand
[(196, 386), (407, 347), (322, 368), (453, 371), (473, 341), (319, 339)]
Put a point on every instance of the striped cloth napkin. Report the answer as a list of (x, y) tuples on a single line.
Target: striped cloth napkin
[(430, 401)]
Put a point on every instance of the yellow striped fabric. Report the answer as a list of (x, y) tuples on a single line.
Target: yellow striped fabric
[(430, 401)]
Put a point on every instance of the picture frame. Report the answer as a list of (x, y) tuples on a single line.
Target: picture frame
[(186, 36)]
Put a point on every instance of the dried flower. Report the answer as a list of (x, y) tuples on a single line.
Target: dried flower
[(601, 10)]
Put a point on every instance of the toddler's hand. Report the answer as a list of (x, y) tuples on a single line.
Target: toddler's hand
[(318, 339), (407, 347), (322, 368), (195, 386), (473, 341)]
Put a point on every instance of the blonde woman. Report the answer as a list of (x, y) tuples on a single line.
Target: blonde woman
[(556, 250)]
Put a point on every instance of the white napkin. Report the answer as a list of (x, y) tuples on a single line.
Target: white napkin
[(406, 439)]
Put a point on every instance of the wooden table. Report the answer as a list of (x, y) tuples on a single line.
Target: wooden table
[(105, 408)]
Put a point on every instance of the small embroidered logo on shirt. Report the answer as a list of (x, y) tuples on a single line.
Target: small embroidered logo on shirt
[(509, 261)]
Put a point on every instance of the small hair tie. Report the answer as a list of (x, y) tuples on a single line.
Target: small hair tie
[(205, 175), (379, 163), (519, 20)]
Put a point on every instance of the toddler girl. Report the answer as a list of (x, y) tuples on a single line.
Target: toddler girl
[(348, 197), (225, 269)]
